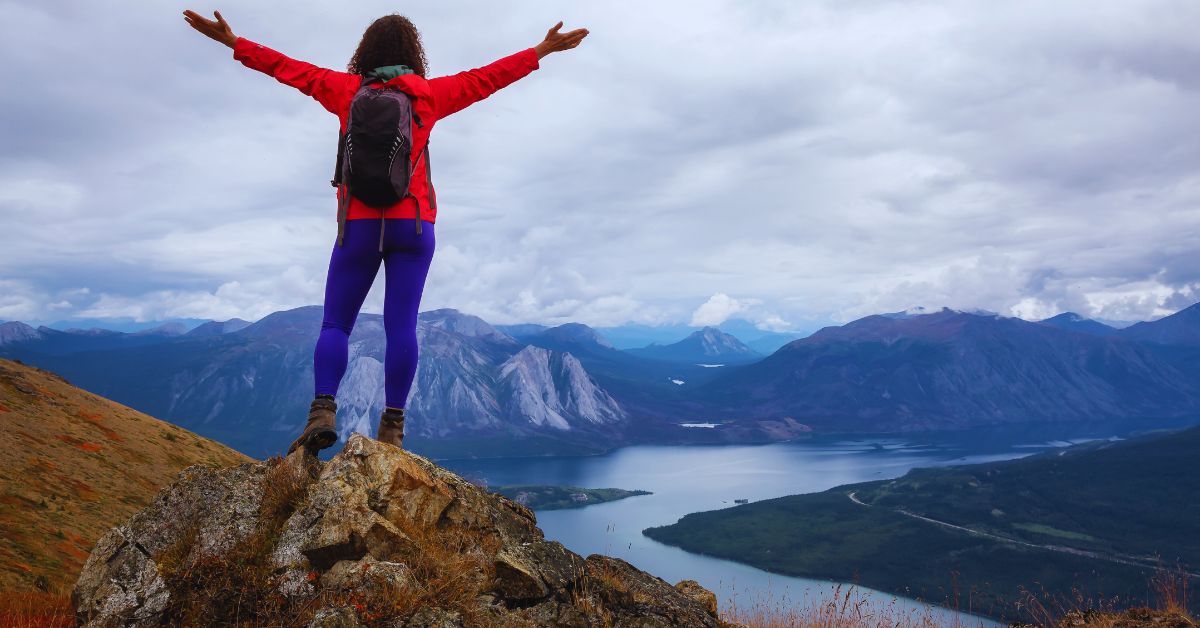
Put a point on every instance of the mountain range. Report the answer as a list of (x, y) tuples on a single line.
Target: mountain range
[(954, 369), (484, 390)]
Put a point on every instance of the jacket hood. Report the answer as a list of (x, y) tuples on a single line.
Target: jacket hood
[(389, 72)]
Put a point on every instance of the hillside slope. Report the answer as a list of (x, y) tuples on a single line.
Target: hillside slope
[(77, 465)]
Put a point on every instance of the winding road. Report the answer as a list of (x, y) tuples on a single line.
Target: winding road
[(1112, 558)]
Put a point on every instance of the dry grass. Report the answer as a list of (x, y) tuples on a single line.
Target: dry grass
[(1169, 591), (849, 607), (284, 485), (78, 465), (35, 609), (236, 587), (845, 607), (451, 568), (584, 596), (1172, 590)]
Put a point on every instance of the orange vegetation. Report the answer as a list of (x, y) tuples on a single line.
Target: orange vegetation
[(34, 609), (85, 464)]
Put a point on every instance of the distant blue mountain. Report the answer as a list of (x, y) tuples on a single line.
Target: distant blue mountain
[(636, 336), (520, 331), (952, 369), (216, 328), (1180, 328), (1075, 322), (707, 346), (127, 324), (16, 335)]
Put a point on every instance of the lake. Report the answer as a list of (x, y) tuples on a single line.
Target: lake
[(687, 479)]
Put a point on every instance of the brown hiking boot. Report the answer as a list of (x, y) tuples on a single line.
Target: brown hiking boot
[(391, 427), (319, 432)]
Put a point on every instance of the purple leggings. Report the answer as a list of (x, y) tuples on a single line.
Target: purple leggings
[(352, 269)]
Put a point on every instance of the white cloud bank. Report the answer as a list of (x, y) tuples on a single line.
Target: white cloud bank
[(819, 160)]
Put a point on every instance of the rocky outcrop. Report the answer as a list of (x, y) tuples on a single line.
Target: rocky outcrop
[(375, 536)]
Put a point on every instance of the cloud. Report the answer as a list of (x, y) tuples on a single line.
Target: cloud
[(823, 160), (719, 308)]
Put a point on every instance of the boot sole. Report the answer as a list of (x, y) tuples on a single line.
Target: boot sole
[(321, 440), (316, 441)]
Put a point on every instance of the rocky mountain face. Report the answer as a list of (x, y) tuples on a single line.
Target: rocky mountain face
[(78, 464), (546, 387), (14, 332), (953, 369), (474, 383), (376, 536), (709, 345)]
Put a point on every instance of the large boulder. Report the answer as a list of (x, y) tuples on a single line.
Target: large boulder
[(375, 536)]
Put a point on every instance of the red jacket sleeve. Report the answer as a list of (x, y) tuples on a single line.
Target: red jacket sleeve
[(455, 92), (330, 88)]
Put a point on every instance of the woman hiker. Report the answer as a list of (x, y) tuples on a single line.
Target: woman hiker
[(389, 55)]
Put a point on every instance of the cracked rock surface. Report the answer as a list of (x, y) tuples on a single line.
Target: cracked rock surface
[(375, 536)]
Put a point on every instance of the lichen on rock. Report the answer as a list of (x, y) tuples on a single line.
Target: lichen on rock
[(375, 536)]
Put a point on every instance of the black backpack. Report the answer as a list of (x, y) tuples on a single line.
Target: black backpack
[(373, 160)]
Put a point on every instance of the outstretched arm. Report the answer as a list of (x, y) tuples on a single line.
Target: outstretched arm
[(328, 87), (455, 92)]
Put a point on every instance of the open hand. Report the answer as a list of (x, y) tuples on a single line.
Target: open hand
[(557, 42), (218, 30)]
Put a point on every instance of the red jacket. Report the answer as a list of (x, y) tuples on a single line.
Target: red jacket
[(433, 99)]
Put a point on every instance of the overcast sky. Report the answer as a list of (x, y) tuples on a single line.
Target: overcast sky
[(791, 163)]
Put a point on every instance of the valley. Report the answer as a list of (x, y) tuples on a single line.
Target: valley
[(1101, 518)]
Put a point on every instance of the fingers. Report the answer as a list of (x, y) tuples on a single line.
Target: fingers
[(196, 20), (572, 39), (556, 41), (220, 20)]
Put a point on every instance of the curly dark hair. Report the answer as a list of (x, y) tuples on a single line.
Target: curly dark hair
[(389, 40)]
